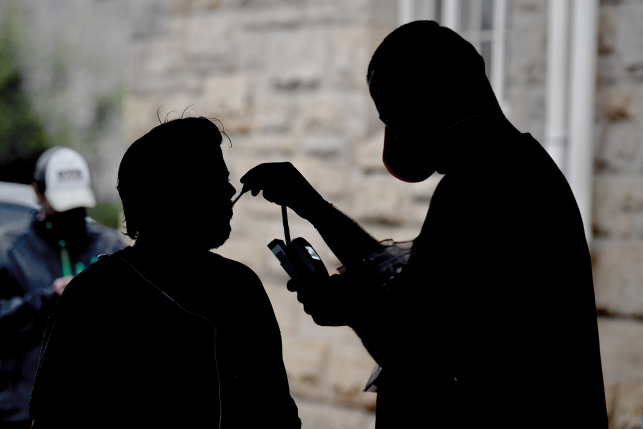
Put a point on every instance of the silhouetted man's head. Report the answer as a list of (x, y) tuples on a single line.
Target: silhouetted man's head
[(174, 185), (424, 78)]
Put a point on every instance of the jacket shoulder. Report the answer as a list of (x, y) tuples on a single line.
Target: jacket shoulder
[(91, 280), (109, 240)]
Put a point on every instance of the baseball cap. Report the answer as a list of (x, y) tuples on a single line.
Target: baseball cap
[(64, 175)]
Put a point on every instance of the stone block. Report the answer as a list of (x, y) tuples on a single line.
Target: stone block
[(325, 416), (275, 113), (624, 102), (183, 7), (334, 114), (139, 116), (628, 408), (230, 100), (274, 19), (618, 206), (249, 253), (255, 46), (210, 42), (350, 57), (610, 399), (629, 34), (620, 149), (349, 368), (273, 147), (380, 199), (307, 328), (368, 152), (607, 24), (618, 277), (284, 304), (329, 176), (324, 145), (306, 364), (298, 59), (621, 350)]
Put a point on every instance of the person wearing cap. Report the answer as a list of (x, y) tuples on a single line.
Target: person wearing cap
[(493, 321), (38, 258)]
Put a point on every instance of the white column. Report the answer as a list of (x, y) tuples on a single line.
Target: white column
[(583, 88), (405, 11), (450, 14), (498, 50), (425, 10), (558, 24)]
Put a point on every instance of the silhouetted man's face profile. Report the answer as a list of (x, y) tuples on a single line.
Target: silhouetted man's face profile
[(175, 186), (216, 200), (423, 79), (407, 156)]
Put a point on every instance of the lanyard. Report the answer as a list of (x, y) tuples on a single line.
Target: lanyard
[(65, 261), (284, 217)]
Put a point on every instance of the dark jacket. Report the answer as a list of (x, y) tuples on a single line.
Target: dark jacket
[(120, 353), (29, 263), (493, 323)]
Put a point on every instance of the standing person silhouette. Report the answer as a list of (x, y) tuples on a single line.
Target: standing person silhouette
[(493, 321), (39, 255), (185, 338)]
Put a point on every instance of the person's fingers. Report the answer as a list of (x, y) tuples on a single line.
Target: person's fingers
[(251, 175), (269, 196), (293, 285), (302, 297)]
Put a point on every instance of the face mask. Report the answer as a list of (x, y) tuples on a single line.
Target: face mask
[(407, 157), (69, 226)]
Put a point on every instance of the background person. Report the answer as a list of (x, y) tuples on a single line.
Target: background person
[(495, 314), (188, 339), (39, 255)]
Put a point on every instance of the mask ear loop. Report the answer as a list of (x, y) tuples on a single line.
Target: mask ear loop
[(465, 120)]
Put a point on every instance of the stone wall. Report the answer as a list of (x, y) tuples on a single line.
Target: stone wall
[(618, 208)]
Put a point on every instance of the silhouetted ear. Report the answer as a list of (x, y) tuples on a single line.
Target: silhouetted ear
[(406, 158)]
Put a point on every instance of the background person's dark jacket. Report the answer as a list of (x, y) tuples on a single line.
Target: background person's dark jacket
[(29, 263), (494, 323), (118, 353)]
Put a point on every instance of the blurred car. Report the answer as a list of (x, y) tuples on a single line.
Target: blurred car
[(17, 201)]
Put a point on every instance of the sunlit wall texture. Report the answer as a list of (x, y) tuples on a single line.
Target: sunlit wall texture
[(286, 78)]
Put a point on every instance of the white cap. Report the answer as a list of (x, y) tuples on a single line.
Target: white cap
[(67, 180)]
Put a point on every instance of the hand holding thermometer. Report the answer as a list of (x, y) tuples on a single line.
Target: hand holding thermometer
[(297, 257), (243, 191)]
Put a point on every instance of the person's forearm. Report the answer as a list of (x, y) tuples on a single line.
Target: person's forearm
[(346, 238)]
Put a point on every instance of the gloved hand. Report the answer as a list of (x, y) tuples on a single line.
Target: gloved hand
[(283, 184), (334, 301)]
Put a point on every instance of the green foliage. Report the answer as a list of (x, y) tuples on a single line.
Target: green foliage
[(22, 138), (106, 214)]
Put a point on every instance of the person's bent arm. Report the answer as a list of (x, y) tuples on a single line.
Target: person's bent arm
[(18, 311), (282, 184), (345, 237)]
